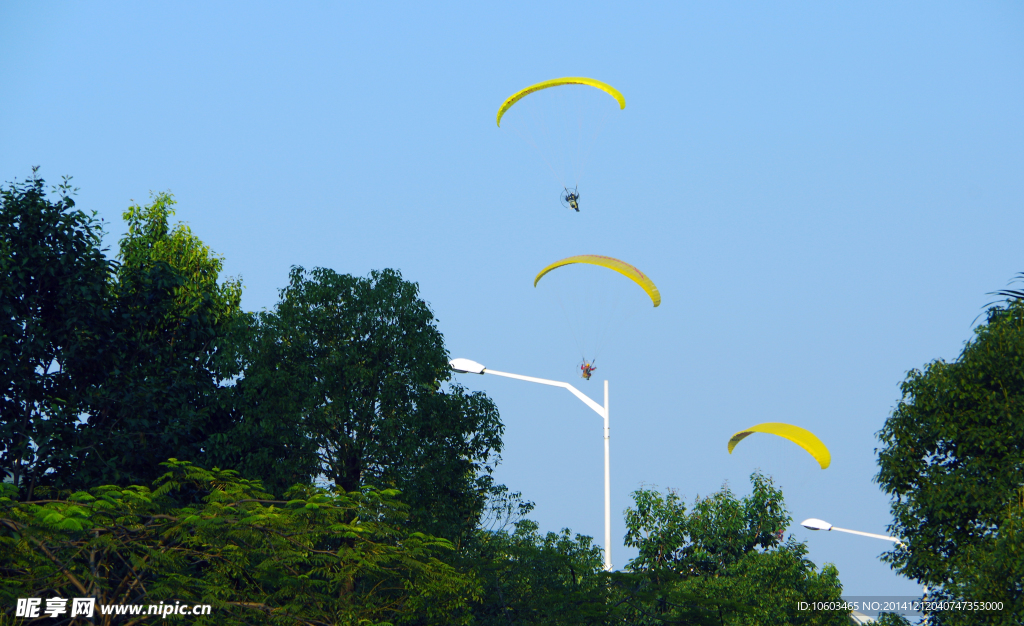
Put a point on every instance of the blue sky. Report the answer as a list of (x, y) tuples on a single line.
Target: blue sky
[(823, 192)]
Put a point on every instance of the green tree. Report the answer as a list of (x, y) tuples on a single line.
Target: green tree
[(165, 371), (345, 379), (53, 303), (999, 567), (528, 578), (723, 563), (322, 556), (953, 462)]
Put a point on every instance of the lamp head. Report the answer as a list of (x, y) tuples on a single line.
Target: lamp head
[(465, 366), (816, 524)]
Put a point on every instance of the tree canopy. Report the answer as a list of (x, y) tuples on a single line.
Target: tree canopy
[(320, 557), (53, 318), (953, 462), (529, 577), (345, 378), (160, 392), (724, 562)]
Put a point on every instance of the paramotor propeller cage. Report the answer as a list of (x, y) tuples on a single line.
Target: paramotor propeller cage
[(571, 199)]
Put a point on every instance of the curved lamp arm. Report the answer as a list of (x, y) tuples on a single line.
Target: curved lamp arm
[(817, 524), (466, 366)]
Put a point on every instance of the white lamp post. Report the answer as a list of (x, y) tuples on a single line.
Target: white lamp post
[(817, 524), (465, 366)]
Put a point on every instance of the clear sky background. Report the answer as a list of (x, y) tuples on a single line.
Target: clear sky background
[(823, 192)]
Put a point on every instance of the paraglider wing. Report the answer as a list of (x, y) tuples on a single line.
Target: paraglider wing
[(621, 267), (800, 436), (570, 80)]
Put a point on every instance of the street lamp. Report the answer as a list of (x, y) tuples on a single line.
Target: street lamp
[(817, 524), (820, 524), (465, 366)]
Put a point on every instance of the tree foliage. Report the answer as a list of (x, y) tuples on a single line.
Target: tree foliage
[(53, 303), (320, 557), (953, 462), (725, 562), (533, 578), (164, 371), (344, 379)]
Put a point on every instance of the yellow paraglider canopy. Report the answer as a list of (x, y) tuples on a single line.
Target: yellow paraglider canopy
[(621, 267), (570, 80), (800, 436)]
